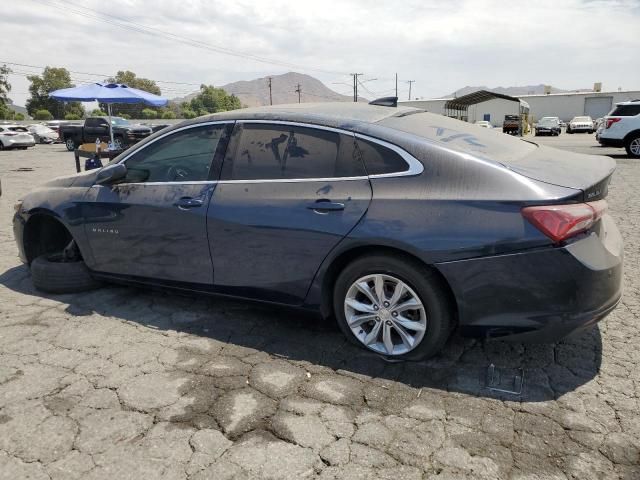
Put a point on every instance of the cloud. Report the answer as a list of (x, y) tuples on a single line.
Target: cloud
[(440, 45)]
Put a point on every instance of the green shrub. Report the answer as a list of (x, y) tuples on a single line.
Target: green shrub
[(168, 115), (18, 116), (126, 116), (149, 113), (72, 116), (189, 114), (98, 113), (42, 115)]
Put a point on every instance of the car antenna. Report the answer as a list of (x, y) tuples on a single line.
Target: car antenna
[(385, 102)]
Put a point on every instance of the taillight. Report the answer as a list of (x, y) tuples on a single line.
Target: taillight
[(560, 222), (10, 134), (611, 121)]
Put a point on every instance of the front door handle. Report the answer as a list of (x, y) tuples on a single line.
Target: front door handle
[(189, 202), (324, 205)]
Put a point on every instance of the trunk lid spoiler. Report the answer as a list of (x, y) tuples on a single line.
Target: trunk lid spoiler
[(589, 173)]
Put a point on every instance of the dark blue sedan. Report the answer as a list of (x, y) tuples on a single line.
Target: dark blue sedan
[(400, 224)]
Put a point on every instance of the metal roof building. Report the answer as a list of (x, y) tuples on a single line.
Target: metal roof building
[(563, 105)]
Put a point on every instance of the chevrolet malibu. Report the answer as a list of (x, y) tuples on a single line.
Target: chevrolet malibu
[(400, 224)]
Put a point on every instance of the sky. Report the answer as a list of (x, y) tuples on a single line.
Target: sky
[(441, 45)]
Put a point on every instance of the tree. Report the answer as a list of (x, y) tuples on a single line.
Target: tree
[(52, 78), (134, 110), (96, 112), (5, 87), (213, 100), (42, 115), (149, 113)]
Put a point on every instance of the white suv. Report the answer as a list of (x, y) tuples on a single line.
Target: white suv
[(581, 124), (622, 128)]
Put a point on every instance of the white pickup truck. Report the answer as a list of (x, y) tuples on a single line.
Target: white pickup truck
[(622, 128)]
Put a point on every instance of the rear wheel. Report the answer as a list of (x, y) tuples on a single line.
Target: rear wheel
[(53, 273), (392, 307), (70, 144), (632, 146)]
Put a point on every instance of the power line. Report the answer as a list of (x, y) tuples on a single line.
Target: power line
[(133, 26)]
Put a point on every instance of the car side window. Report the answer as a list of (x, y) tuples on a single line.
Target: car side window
[(183, 156), (273, 152), (378, 159)]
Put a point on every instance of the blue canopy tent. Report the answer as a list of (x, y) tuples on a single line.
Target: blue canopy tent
[(108, 93)]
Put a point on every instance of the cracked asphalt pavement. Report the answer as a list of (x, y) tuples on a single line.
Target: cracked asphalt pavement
[(129, 383)]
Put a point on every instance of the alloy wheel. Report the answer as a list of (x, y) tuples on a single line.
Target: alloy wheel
[(634, 146), (385, 314)]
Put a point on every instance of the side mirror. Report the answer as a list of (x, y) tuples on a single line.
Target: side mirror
[(111, 173)]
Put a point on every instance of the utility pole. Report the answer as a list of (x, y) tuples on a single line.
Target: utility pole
[(355, 85), (396, 85), (410, 82), (298, 91), (270, 97)]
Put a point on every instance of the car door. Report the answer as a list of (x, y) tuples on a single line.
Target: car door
[(287, 195), (153, 223), (96, 128)]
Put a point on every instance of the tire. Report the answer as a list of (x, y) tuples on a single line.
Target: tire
[(437, 318), (1, 146), (70, 144), (119, 143), (53, 276), (632, 146)]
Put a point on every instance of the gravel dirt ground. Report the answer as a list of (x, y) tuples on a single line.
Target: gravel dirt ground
[(124, 383)]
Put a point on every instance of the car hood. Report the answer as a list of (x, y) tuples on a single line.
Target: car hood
[(84, 179)]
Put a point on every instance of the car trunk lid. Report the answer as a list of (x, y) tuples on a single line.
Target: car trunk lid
[(589, 173)]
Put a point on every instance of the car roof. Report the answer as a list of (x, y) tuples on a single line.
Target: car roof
[(329, 113), (629, 102)]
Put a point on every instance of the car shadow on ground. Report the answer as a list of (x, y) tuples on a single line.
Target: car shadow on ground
[(549, 370)]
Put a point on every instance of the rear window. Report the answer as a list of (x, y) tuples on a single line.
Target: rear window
[(625, 111), (461, 136)]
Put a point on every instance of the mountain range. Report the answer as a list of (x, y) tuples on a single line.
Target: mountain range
[(255, 93)]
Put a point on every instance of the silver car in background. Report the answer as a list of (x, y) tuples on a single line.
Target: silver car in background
[(43, 134), (15, 136)]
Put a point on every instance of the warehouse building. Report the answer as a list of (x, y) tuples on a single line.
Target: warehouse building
[(563, 105)]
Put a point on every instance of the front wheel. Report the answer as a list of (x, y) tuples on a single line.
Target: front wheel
[(632, 146), (52, 273), (392, 307), (70, 144)]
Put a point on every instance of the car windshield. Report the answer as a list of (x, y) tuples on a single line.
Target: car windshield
[(18, 129), (582, 119), (118, 121), (549, 122)]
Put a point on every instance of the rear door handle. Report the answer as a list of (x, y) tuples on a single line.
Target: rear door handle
[(189, 202), (325, 206)]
